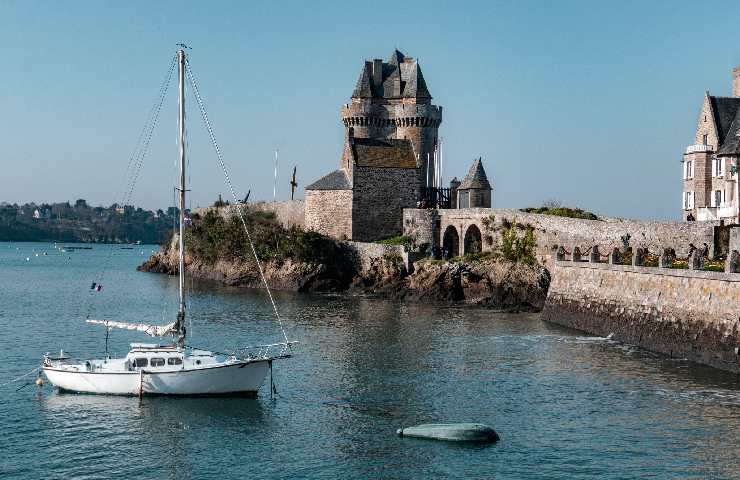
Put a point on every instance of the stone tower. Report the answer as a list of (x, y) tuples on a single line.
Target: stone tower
[(475, 189), (391, 101)]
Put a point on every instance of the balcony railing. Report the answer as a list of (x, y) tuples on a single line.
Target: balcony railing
[(699, 148)]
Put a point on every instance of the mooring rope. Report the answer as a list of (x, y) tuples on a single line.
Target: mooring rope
[(212, 136), (20, 377)]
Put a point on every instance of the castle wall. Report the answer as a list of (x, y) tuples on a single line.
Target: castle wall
[(329, 212), (380, 195), (289, 213), (680, 313), (551, 230)]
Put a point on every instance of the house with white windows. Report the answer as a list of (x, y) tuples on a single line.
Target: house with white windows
[(709, 165)]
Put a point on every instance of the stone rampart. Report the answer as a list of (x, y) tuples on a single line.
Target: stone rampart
[(288, 212), (681, 313), (553, 231)]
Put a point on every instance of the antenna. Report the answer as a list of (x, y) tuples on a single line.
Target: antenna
[(274, 185)]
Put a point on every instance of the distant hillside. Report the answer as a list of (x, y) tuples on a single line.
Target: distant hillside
[(80, 222)]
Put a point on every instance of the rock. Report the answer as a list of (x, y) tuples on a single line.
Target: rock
[(492, 283), (452, 432)]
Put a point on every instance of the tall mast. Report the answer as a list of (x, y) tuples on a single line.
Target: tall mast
[(181, 132)]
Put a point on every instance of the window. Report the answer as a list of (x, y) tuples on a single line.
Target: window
[(140, 362), (704, 139), (718, 169), (688, 170), (688, 200), (719, 197), (174, 361), (157, 362)]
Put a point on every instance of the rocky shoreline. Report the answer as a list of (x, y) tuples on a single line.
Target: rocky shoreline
[(488, 282)]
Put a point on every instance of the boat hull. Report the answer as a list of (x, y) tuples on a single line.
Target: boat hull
[(238, 379)]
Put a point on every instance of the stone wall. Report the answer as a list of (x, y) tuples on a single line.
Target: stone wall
[(552, 230), (289, 213), (379, 197), (680, 313), (367, 252), (329, 212)]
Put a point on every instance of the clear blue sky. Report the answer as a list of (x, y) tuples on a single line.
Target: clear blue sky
[(590, 103)]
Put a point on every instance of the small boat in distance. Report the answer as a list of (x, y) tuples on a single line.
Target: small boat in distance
[(170, 368)]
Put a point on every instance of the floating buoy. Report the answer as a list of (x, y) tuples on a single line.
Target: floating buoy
[(39, 382), (28, 259), (37, 254), (451, 432)]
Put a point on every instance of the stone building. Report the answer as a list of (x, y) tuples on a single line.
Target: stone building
[(710, 181), (390, 138)]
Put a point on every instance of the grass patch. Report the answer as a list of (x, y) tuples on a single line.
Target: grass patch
[(396, 240)]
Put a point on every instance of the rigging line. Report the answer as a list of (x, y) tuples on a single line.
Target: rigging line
[(145, 148), (135, 153), (142, 149), (207, 123)]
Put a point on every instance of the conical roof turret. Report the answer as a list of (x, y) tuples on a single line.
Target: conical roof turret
[(476, 177)]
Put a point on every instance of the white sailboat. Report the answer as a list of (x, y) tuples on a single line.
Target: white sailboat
[(174, 368)]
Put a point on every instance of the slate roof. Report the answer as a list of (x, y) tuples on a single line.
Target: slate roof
[(727, 121), (725, 110), (476, 177), (336, 180), (401, 78), (388, 153)]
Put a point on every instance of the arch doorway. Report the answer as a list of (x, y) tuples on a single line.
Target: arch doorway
[(450, 243), (473, 242)]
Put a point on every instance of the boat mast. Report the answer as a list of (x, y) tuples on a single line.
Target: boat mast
[(181, 132)]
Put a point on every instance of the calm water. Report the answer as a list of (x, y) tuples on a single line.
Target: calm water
[(565, 405)]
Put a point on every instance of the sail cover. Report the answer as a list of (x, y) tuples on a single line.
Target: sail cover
[(151, 330)]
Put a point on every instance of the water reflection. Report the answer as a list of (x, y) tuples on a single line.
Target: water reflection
[(566, 405)]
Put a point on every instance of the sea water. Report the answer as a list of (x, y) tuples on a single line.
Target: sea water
[(565, 404)]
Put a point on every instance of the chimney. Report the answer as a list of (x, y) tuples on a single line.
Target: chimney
[(736, 82), (378, 73)]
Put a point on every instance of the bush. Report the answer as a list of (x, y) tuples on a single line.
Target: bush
[(518, 249), (215, 237), (396, 240), (563, 212)]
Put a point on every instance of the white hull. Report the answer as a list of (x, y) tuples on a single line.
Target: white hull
[(239, 378)]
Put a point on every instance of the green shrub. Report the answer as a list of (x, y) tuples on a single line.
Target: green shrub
[(518, 249), (396, 240), (563, 212), (215, 237)]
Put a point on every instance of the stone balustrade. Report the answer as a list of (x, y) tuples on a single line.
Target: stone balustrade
[(695, 263)]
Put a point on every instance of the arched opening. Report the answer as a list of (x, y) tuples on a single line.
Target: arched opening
[(450, 243), (472, 240)]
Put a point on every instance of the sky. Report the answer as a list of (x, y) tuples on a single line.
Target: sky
[(589, 103)]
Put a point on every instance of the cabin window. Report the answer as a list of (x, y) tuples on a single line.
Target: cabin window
[(140, 362), (157, 362), (197, 362), (174, 361)]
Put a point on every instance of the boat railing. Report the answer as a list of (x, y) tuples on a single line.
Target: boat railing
[(273, 350)]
